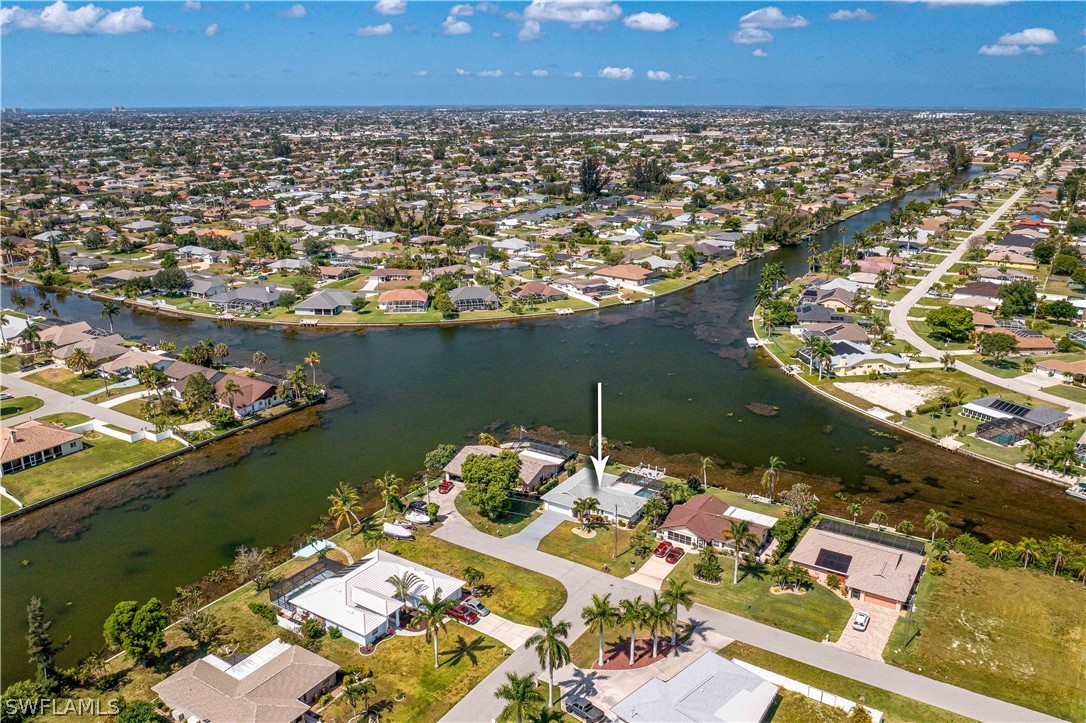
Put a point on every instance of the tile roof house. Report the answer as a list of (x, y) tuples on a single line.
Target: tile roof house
[(34, 442), (537, 290), (706, 520), (398, 301), (539, 461), (276, 684), (630, 275)]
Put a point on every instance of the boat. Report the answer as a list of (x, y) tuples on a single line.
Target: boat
[(754, 342), (1077, 490), (396, 531)]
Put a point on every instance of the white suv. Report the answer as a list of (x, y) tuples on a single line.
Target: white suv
[(861, 621)]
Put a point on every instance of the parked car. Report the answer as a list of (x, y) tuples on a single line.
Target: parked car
[(675, 555), (662, 549), (4, 396), (861, 621), (476, 606), (584, 710), (445, 487), (463, 614)]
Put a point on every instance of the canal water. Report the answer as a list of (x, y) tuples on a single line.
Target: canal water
[(677, 377)]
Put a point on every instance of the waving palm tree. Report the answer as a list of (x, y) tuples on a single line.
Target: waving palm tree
[(905, 526), (345, 501), (657, 616), (359, 690), (706, 463), (601, 614), (229, 389), (769, 477), (1026, 550), (550, 646), (296, 381), (740, 535), (79, 361), (402, 585), (1059, 549), (110, 309), (259, 359), (936, 521), (584, 507), (520, 692), (677, 594), (632, 613), (30, 337), (432, 611), (220, 351), (998, 549), (313, 359), (855, 509), (878, 518), (390, 491)]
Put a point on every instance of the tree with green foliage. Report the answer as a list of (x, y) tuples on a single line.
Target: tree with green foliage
[(707, 567), (199, 393), (170, 281), (1017, 298), (490, 481), (440, 456), (1064, 264), (601, 614), (40, 647), (592, 176), (110, 309), (520, 692), (742, 539), (997, 345), (139, 631), (443, 304), (953, 323)]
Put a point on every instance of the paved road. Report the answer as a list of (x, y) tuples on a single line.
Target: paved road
[(581, 582), (899, 319), (58, 402)]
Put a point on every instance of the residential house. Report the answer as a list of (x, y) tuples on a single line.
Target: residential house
[(536, 291), (35, 442), (1005, 422), (630, 276), (473, 298), (706, 520), (403, 301), (619, 497), (327, 303)]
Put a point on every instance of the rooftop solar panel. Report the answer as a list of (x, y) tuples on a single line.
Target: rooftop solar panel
[(1002, 405), (886, 538), (835, 561)]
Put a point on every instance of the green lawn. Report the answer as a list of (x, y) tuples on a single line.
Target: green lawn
[(113, 392), (815, 614), (511, 591), (895, 707), (19, 405), (738, 499), (792, 707), (517, 515), (65, 419), (7, 506), (65, 381), (1011, 634), (597, 552), (1068, 392), (100, 456)]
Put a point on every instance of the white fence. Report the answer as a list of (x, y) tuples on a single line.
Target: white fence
[(808, 691), (97, 425)]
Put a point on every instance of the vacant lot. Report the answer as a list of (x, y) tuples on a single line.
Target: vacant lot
[(66, 381), (517, 515), (597, 552), (1012, 634)]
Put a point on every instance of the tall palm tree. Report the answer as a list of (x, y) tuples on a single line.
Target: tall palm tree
[(359, 690), (601, 614), (390, 490), (740, 535), (878, 518), (936, 521), (296, 381), (821, 351), (657, 616), (345, 501), (110, 309), (584, 507), (551, 647), (402, 585), (229, 389), (706, 463), (259, 359), (1026, 550), (520, 692), (998, 549), (432, 611), (769, 477), (677, 593), (855, 509), (220, 351), (313, 359), (1060, 550), (79, 361), (632, 613), (30, 336)]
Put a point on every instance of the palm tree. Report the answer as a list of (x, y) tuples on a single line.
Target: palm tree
[(878, 518), (313, 359), (905, 526), (821, 351), (432, 612), (706, 463), (220, 351), (296, 381), (1037, 443), (936, 521), (584, 507), (1060, 550), (259, 359), (769, 477), (402, 585), (677, 593), (947, 361), (520, 692), (357, 690), (602, 614), (632, 613), (1080, 569), (473, 577), (740, 535), (657, 615), (110, 309), (998, 549), (655, 509), (79, 361), (1026, 551), (30, 336), (390, 490), (345, 501), (229, 389), (551, 648)]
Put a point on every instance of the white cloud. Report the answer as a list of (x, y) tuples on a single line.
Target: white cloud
[(391, 7), (530, 30), (771, 17), (294, 11), (651, 22), (489, 74), (759, 53), (660, 75), (937, 3), (86, 20), (575, 74), (611, 73), (212, 30), (573, 12), (495, 34), (191, 6), (1034, 50), (857, 14), (370, 30), (752, 36), (461, 71), (420, 73), (1081, 49), (539, 73), (1030, 36), (452, 26), (462, 10), (1002, 51)]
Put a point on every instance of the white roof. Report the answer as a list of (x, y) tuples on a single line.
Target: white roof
[(756, 517)]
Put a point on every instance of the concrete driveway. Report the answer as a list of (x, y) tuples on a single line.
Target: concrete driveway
[(652, 573), (512, 634), (871, 642), (539, 528)]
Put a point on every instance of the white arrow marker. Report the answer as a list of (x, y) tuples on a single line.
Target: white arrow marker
[(599, 462)]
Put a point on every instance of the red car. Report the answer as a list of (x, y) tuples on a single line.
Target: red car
[(463, 614), (445, 487), (662, 549), (675, 555)]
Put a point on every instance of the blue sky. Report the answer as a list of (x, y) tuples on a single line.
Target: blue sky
[(942, 53)]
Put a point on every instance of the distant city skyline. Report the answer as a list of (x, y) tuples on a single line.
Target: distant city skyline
[(965, 54)]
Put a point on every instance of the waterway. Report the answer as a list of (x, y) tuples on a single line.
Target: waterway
[(677, 376)]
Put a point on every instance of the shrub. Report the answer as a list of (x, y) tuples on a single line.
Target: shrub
[(708, 566), (335, 633), (832, 581), (937, 567), (312, 628), (264, 610)]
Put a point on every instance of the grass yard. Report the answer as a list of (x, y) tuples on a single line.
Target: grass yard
[(1011, 634), (517, 515), (813, 615), (113, 392), (739, 499), (7, 506), (65, 419), (66, 381), (1068, 392), (597, 552), (895, 707), (511, 591), (100, 456), (792, 707), (19, 405)]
